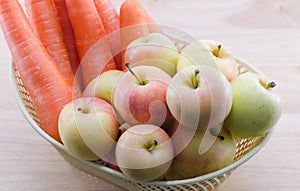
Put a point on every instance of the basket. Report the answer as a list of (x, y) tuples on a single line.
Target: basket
[(246, 148)]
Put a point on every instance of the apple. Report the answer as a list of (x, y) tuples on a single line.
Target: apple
[(209, 53), (140, 96), (88, 128), (192, 162), (171, 175), (199, 97), (144, 152), (154, 49), (123, 128), (256, 108), (180, 135), (102, 86)]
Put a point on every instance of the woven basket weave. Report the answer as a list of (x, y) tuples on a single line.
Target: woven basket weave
[(246, 148)]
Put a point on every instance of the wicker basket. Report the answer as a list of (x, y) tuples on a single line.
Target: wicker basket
[(246, 148)]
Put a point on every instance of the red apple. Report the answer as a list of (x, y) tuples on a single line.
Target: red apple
[(154, 49), (144, 152), (199, 97), (209, 53), (140, 96)]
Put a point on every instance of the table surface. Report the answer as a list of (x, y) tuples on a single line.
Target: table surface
[(265, 33)]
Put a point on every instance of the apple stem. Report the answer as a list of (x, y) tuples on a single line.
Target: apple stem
[(217, 51), (139, 81), (270, 85), (83, 110), (214, 133), (153, 145), (194, 79)]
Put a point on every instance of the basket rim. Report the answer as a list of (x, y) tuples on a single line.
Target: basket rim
[(60, 147)]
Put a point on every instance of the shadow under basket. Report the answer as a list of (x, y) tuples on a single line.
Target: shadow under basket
[(246, 148)]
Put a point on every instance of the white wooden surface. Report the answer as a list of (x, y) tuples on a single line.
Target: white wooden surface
[(265, 33)]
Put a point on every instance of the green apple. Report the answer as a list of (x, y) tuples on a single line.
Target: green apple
[(171, 175), (256, 107), (88, 128), (192, 162), (144, 152), (154, 49), (209, 53), (102, 86)]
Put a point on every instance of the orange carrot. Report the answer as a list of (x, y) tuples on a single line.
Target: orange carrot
[(44, 22), (152, 25), (88, 29), (135, 22), (46, 26), (111, 22), (48, 89), (68, 33)]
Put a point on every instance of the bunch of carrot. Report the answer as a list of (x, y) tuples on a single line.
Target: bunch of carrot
[(48, 46)]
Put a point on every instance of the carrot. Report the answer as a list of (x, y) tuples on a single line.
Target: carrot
[(88, 29), (111, 22), (68, 33), (152, 25), (135, 22), (45, 23), (48, 89)]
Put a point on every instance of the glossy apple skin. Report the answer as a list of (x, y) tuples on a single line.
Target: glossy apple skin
[(138, 104), (140, 163), (202, 53), (205, 106), (102, 86), (190, 163), (154, 49), (255, 109), (88, 128)]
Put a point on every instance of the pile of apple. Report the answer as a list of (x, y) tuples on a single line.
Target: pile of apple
[(174, 114)]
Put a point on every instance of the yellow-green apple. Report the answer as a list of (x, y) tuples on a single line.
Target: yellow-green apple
[(199, 97), (102, 86), (154, 49), (192, 162), (140, 96), (88, 127), (209, 53), (144, 152), (256, 108), (171, 175)]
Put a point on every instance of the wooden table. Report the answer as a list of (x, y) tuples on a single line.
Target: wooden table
[(265, 33)]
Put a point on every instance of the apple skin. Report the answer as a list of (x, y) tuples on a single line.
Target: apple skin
[(102, 86), (190, 163), (144, 152), (255, 109), (88, 128), (204, 106), (138, 104), (154, 49), (204, 52)]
